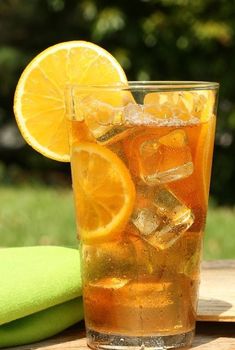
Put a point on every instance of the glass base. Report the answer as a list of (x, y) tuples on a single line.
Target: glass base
[(96, 340)]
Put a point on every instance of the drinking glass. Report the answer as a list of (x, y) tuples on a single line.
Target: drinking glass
[(141, 156)]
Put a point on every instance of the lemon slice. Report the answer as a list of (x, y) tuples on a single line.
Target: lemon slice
[(104, 199), (39, 104)]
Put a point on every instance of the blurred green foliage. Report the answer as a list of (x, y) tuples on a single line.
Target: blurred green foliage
[(152, 39)]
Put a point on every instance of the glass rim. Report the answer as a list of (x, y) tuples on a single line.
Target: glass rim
[(155, 85)]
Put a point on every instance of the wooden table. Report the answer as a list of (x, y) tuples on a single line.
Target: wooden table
[(217, 303)]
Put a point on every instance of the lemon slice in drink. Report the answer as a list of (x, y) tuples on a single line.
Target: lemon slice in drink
[(105, 199), (39, 98)]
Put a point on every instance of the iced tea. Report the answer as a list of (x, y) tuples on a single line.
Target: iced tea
[(141, 174)]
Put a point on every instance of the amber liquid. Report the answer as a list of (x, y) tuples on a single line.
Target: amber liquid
[(131, 287)]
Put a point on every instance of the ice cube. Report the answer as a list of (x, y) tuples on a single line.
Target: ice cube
[(133, 112), (159, 98), (176, 138), (170, 175), (146, 221), (167, 204), (176, 217), (149, 159), (164, 105), (163, 219), (165, 159), (112, 283), (111, 135), (182, 105), (105, 122)]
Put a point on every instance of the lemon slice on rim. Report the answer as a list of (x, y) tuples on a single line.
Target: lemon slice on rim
[(39, 98)]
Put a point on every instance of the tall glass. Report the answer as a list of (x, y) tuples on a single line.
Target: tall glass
[(141, 159)]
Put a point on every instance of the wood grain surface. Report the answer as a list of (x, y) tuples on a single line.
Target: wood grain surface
[(217, 291), (217, 303)]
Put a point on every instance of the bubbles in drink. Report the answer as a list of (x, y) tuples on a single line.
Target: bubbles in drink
[(110, 259), (133, 111), (150, 298)]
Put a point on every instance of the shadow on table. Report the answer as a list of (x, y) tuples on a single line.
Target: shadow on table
[(208, 328), (213, 310), (216, 335)]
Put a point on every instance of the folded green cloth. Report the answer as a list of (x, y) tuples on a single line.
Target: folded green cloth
[(42, 324), (34, 279)]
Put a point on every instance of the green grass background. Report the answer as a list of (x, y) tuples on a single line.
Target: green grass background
[(38, 215)]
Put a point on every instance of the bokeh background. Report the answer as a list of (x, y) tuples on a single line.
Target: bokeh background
[(152, 40)]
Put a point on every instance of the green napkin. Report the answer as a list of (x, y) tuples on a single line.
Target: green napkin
[(42, 324), (33, 279)]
